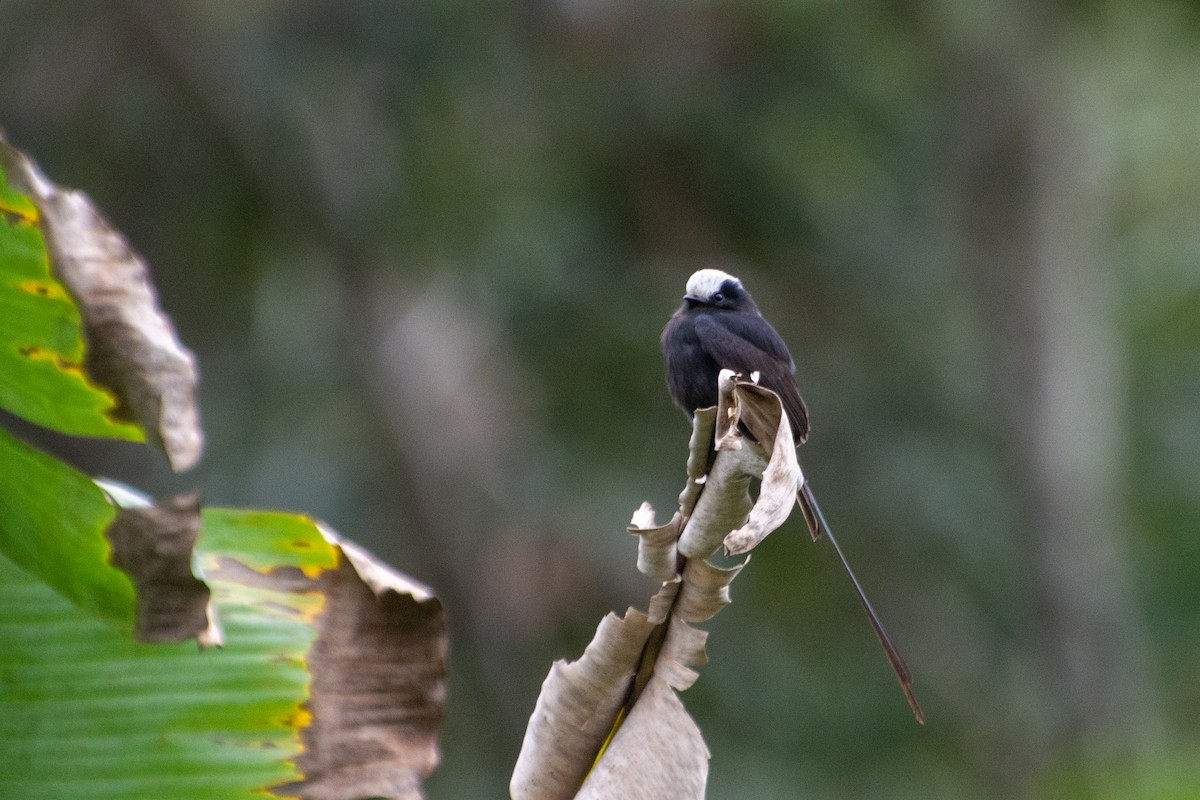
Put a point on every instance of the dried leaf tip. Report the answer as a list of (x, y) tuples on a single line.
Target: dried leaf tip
[(643, 517), (133, 349)]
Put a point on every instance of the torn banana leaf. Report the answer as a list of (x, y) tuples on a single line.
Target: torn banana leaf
[(54, 238), (42, 351), (329, 681), (329, 678)]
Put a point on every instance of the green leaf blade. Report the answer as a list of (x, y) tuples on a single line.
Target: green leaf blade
[(42, 377), (52, 523), (87, 712)]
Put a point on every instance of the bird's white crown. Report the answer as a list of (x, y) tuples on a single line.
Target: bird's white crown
[(707, 282)]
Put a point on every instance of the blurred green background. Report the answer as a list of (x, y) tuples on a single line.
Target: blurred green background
[(424, 251)]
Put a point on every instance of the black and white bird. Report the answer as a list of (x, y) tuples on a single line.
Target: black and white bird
[(719, 327)]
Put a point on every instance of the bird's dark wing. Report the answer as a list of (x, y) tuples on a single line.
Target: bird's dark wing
[(747, 343), (759, 342)]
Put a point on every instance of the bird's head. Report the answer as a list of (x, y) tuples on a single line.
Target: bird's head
[(716, 289)]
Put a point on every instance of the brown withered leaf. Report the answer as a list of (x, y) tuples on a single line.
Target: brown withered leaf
[(705, 589), (656, 754), (761, 411), (132, 346), (378, 689), (577, 709), (376, 654), (658, 556), (153, 545), (612, 719)]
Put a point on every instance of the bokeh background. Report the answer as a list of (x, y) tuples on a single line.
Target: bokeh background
[(424, 250)]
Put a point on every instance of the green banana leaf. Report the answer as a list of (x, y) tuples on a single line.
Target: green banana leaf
[(164, 650)]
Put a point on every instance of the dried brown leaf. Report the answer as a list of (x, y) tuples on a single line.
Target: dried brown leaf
[(724, 503), (762, 413), (656, 750), (682, 649), (577, 709), (132, 346), (705, 589), (656, 754), (378, 688), (657, 554), (153, 545), (700, 455)]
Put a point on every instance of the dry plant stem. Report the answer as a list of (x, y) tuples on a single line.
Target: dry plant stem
[(723, 504), (673, 766), (715, 501), (634, 665)]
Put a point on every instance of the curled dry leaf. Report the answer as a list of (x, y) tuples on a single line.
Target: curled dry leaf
[(663, 601), (726, 435), (624, 685), (643, 517), (656, 754), (577, 708), (682, 649), (700, 454), (724, 503), (761, 411), (132, 346), (658, 556), (705, 589)]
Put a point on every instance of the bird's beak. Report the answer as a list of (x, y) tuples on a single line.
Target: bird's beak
[(693, 298)]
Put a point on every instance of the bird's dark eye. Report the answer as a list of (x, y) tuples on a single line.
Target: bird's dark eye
[(718, 297)]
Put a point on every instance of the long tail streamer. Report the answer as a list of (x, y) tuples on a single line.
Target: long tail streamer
[(817, 525)]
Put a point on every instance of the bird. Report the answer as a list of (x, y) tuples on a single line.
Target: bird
[(720, 327)]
